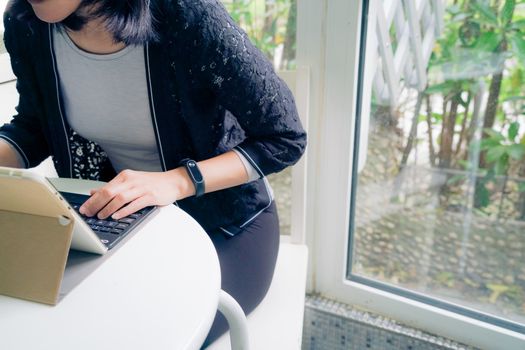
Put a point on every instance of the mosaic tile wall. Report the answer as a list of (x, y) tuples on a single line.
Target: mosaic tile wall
[(329, 325)]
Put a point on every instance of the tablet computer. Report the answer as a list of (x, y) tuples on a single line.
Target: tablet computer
[(26, 192)]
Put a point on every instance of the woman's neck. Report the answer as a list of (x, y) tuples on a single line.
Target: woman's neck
[(95, 38)]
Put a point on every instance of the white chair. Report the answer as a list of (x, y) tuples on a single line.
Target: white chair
[(277, 323)]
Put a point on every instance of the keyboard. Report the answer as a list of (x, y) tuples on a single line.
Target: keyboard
[(109, 231)]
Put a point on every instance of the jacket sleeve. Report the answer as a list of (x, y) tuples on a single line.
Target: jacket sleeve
[(246, 84), (24, 132)]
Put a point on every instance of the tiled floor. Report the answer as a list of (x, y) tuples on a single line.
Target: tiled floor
[(329, 325)]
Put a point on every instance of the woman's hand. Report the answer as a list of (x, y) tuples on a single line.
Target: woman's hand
[(131, 191)]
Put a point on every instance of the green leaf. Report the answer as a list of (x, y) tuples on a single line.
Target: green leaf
[(494, 134), (518, 46), (488, 41), (518, 25), (443, 88), (507, 11), (489, 143), (438, 117), (455, 179), (453, 9), (496, 153), (516, 151), (516, 80), (482, 196), (486, 12), (469, 33), (461, 17), (501, 165), (514, 128)]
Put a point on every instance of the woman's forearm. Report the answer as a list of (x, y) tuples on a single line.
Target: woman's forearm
[(8, 156), (224, 171), (132, 190)]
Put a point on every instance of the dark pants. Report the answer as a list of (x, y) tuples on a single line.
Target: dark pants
[(247, 263)]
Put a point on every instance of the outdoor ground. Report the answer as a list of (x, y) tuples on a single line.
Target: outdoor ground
[(412, 234), (409, 234)]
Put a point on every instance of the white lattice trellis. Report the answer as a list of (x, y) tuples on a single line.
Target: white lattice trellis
[(406, 31)]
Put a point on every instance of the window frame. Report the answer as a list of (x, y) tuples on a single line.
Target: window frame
[(334, 61)]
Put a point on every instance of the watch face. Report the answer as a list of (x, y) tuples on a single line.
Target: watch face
[(194, 170)]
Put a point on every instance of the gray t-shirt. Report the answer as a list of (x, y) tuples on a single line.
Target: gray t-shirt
[(106, 101)]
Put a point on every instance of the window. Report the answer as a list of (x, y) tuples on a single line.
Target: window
[(439, 204), (390, 229)]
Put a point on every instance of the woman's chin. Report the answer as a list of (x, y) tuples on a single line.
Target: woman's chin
[(53, 11), (49, 18)]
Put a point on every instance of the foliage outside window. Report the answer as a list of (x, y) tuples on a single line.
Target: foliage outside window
[(271, 26), (440, 203)]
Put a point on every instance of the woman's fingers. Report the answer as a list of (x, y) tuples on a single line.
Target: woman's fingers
[(132, 207), (118, 201), (102, 197), (137, 188)]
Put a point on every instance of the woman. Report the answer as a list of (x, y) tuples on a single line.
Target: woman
[(142, 94)]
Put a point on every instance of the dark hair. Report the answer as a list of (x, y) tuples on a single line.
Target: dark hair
[(130, 21)]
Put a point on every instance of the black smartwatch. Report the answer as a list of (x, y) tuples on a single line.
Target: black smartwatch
[(195, 175)]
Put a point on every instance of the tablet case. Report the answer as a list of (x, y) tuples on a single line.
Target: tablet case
[(35, 236)]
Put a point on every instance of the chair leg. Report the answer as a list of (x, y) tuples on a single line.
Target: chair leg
[(236, 318)]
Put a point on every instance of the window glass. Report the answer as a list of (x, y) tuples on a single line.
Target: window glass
[(438, 206), (271, 26)]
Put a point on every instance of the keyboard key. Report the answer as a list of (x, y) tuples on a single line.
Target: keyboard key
[(135, 216), (90, 221), (111, 223), (122, 226), (107, 237), (127, 220), (117, 231)]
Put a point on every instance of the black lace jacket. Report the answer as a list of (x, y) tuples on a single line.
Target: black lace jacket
[(210, 91)]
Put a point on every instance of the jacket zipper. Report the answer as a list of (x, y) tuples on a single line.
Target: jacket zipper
[(153, 113), (66, 134)]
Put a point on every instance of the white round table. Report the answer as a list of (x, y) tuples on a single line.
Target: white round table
[(158, 290)]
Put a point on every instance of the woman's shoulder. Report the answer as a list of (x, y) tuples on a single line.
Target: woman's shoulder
[(193, 16), (18, 26), (191, 9), (14, 15)]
